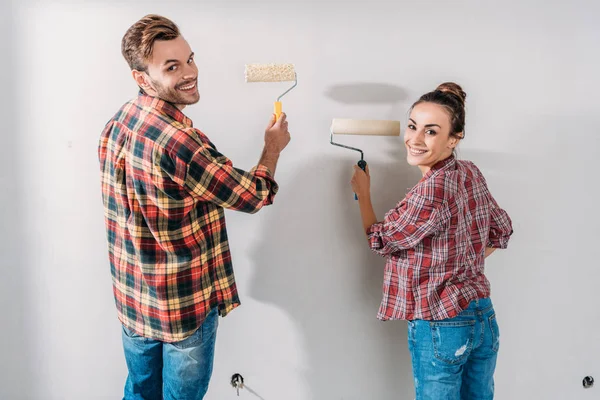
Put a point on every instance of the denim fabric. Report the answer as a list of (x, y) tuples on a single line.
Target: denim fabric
[(170, 371), (455, 358)]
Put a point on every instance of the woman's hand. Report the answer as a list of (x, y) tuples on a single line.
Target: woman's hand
[(361, 182)]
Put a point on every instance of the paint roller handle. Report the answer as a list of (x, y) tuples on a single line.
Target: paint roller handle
[(277, 110), (363, 165)]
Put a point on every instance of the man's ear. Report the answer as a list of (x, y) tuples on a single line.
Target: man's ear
[(141, 78)]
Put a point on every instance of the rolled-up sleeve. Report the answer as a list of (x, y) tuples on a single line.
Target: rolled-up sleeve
[(213, 178), (500, 227), (405, 226)]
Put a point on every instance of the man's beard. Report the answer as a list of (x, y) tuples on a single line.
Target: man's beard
[(175, 96)]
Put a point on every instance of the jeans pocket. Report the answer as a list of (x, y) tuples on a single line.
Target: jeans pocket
[(129, 333), (495, 332), (134, 338), (208, 327), (452, 340)]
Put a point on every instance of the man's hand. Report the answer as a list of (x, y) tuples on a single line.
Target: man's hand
[(277, 138), (361, 182), (277, 135)]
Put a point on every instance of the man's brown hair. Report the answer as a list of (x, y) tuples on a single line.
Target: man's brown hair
[(138, 42)]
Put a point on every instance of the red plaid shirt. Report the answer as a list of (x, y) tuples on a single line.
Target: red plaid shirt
[(164, 187), (434, 242)]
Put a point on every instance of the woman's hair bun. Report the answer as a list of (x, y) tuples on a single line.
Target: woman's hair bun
[(453, 88)]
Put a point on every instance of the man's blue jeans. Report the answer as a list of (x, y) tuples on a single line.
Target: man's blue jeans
[(170, 371), (455, 359)]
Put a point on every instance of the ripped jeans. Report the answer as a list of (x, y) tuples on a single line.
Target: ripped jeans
[(455, 359)]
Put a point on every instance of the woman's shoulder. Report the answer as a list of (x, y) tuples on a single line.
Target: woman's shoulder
[(467, 164), (433, 189), (447, 183), (470, 170)]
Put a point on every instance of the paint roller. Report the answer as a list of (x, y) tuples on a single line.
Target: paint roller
[(272, 73), (344, 126)]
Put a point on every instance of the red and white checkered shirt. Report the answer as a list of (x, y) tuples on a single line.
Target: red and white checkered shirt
[(434, 241)]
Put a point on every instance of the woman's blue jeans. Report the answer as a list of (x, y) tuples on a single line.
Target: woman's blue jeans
[(455, 359)]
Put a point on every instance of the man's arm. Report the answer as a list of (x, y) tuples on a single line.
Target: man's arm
[(277, 137), (269, 160), (211, 177)]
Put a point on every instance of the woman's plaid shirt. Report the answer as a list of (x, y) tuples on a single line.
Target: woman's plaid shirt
[(164, 188), (434, 242)]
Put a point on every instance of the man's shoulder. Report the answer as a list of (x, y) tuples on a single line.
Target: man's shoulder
[(148, 123), (148, 126), (122, 115)]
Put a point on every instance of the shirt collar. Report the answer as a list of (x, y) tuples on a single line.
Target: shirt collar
[(165, 108), (445, 164)]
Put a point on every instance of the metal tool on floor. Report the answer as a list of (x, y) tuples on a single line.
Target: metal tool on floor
[(237, 381)]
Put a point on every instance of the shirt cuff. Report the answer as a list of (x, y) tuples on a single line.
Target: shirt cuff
[(499, 242), (374, 235), (261, 171)]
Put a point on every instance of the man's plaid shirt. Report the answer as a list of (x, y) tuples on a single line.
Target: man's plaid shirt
[(434, 241), (164, 188)]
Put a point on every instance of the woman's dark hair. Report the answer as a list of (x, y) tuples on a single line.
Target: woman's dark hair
[(450, 96)]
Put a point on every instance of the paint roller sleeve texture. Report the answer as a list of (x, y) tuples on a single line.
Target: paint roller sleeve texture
[(164, 188), (434, 242), (270, 72), (344, 126)]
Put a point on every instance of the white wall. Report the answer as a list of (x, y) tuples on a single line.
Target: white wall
[(15, 355), (309, 286)]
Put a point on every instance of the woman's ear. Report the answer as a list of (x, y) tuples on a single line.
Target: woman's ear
[(454, 139)]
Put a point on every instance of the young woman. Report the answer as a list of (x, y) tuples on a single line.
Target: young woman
[(435, 242)]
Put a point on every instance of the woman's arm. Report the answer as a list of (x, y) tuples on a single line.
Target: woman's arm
[(366, 212), (361, 184), (489, 251), (404, 226)]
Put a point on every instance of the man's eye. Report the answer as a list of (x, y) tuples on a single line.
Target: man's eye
[(172, 68)]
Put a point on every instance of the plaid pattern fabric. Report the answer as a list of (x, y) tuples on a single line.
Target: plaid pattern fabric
[(434, 242), (164, 188)]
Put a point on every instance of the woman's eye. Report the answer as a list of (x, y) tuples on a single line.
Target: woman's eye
[(412, 127), (430, 132)]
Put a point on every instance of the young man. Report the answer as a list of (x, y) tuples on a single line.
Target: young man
[(164, 188)]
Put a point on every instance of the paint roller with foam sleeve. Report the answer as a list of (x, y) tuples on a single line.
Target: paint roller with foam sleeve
[(344, 126), (272, 73)]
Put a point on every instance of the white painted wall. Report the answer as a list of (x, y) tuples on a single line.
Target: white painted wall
[(309, 286), (14, 350)]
